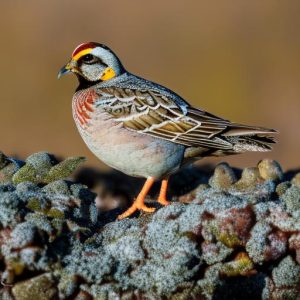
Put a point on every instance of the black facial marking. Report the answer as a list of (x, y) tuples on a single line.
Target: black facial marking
[(89, 59)]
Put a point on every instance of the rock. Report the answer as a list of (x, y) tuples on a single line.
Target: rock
[(296, 180), (270, 170), (249, 179), (41, 287), (223, 177), (287, 273), (291, 198), (230, 239), (64, 169)]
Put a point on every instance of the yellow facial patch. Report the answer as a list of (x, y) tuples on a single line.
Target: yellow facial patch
[(108, 74), (82, 53)]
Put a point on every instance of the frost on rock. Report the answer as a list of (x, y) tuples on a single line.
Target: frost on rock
[(236, 236)]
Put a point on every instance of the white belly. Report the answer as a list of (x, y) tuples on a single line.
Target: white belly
[(130, 152)]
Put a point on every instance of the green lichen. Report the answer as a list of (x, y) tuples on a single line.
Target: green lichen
[(55, 213), (34, 204), (26, 173), (230, 240), (42, 168), (64, 169), (240, 266)]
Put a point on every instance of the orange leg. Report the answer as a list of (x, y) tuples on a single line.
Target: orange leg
[(162, 198), (139, 201)]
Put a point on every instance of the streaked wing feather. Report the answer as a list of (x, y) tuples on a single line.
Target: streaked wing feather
[(149, 112)]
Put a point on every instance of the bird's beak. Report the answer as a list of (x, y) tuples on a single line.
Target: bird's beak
[(68, 68), (64, 70)]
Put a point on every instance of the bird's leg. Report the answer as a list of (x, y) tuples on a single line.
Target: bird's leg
[(139, 201), (162, 198)]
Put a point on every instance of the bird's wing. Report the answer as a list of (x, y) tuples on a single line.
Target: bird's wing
[(150, 112)]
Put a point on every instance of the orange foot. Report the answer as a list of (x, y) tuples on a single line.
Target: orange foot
[(139, 204), (162, 198)]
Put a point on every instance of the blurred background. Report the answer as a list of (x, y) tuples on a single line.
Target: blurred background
[(236, 59)]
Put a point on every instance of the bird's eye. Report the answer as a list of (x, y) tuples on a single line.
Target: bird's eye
[(89, 58)]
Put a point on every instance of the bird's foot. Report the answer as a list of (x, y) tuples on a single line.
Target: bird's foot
[(163, 201), (138, 204)]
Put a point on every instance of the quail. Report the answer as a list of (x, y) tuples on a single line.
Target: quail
[(144, 129)]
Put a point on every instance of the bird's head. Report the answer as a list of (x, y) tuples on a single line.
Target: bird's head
[(93, 62)]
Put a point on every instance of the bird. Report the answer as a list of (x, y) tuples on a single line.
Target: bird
[(144, 129)]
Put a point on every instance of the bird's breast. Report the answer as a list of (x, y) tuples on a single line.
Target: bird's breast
[(83, 106)]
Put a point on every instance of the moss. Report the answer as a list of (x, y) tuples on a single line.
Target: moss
[(34, 204), (26, 173), (229, 240), (55, 213), (240, 266), (42, 162), (64, 169), (16, 266), (41, 168)]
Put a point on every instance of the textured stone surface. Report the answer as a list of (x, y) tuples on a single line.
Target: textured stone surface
[(232, 237), (38, 288)]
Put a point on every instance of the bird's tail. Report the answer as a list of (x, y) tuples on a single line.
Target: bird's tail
[(248, 138)]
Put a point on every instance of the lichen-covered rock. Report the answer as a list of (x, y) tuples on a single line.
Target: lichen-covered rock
[(296, 179), (291, 199), (230, 238), (35, 218), (270, 170), (223, 177), (265, 243), (249, 179), (42, 287), (8, 167), (287, 273)]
